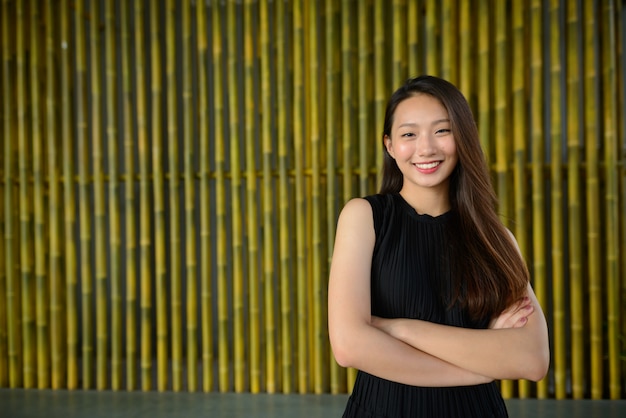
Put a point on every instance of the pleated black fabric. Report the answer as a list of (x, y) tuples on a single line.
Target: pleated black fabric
[(411, 279)]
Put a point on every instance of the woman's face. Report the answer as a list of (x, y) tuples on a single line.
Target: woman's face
[(422, 143)]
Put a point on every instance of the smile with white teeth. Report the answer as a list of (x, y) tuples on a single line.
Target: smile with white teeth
[(427, 166)]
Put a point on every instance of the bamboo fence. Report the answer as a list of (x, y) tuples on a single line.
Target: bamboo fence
[(172, 172)]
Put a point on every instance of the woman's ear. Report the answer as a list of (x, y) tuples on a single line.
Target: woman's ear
[(387, 141)]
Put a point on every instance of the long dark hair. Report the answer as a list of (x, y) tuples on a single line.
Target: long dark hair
[(488, 272)]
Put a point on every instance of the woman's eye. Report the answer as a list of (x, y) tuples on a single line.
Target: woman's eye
[(442, 131), (407, 135)]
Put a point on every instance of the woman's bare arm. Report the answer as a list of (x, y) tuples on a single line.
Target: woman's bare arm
[(354, 340)]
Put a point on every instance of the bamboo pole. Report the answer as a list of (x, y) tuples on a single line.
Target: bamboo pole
[(364, 93), (190, 221), (286, 225), (69, 205), (611, 198), (175, 288), (114, 233), (484, 86), (145, 292), (130, 241), (502, 127), (220, 201), (298, 150), (10, 205), (268, 191), (518, 124), (381, 87), (399, 53), (348, 123), (206, 241), (592, 181), (250, 135), (41, 280), (412, 36), (333, 76), (449, 41), (573, 196), (538, 175), (556, 175), (239, 339), (57, 308), (466, 36), (315, 119), (4, 217), (432, 44), (26, 244), (158, 189), (99, 210), (83, 201)]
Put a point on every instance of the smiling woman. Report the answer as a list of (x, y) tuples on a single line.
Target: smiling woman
[(429, 297)]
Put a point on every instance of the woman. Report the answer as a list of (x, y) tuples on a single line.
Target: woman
[(429, 297)]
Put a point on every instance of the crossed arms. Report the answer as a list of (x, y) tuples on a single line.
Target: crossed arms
[(418, 352)]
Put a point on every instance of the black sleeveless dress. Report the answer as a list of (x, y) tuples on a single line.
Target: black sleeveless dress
[(411, 279)]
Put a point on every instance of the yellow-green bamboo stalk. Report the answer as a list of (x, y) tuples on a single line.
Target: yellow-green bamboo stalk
[(83, 202), (145, 302), (594, 243), (484, 77), (130, 275), (26, 245), (41, 279), (319, 279), (364, 94), (433, 48), (611, 198), (449, 41), (574, 202), (206, 242), (556, 175), (57, 309), (298, 150), (4, 111), (348, 123), (381, 88), (190, 224), (333, 76), (220, 203), (98, 201), (174, 209), (519, 124), (399, 58), (158, 188), (10, 237), (621, 125), (69, 201), (502, 129), (239, 360), (466, 36), (268, 199), (286, 226), (251, 210), (113, 207), (538, 176), (412, 36)]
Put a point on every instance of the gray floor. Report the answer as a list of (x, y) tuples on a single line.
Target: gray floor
[(21, 403)]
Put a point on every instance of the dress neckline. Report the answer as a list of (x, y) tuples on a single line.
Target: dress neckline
[(424, 217)]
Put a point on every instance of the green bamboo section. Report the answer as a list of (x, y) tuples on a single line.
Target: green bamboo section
[(206, 294), (172, 172), (537, 144), (574, 199), (609, 58), (114, 231), (41, 277)]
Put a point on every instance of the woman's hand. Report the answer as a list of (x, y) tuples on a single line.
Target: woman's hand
[(515, 316)]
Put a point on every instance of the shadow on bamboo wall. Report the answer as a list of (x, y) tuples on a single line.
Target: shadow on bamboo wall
[(172, 173)]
